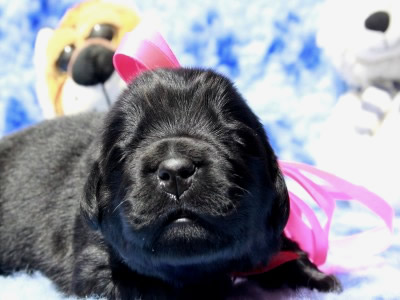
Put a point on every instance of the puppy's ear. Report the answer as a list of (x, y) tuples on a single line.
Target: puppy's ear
[(281, 205), (90, 199)]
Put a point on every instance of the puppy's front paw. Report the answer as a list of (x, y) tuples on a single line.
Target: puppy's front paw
[(321, 282), (297, 274)]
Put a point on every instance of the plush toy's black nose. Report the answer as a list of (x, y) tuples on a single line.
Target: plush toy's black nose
[(93, 65), (175, 175), (378, 21)]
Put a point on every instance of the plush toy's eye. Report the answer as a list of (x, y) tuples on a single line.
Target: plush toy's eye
[(65, 57), (104, 31)]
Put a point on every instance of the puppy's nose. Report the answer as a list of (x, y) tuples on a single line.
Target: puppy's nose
[(175, 175)]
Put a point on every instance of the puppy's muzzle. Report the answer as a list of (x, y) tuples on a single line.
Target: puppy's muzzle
[(175, 175)]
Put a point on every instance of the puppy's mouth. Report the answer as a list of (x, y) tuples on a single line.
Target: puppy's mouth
[(184, 233), (181, 217), (182, 220), (182, 224)]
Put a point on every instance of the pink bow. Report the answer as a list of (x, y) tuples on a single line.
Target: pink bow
[(140, 50), (145, 49), (334, 254)]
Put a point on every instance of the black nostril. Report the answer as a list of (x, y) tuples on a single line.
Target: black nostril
[(378, 21), (187, 170), (164, 175), (175, 175), (93, 65)]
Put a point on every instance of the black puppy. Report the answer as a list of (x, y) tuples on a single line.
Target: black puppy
[(167, 196)]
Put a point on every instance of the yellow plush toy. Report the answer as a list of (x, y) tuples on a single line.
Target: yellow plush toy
[(73, 62)]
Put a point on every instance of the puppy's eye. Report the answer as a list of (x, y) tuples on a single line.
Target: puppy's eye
[(250, 142), (65, 57), (104, 31)]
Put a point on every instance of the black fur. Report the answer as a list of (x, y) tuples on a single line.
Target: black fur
[(80, 200)]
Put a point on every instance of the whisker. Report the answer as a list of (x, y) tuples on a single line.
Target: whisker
[(118, 206), (245, 192)]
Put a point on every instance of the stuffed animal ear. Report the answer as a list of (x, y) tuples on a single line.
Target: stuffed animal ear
[(90, 200), (40, 65), (126, 3)]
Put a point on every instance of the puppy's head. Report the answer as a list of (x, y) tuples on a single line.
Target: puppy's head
[(186, 179)]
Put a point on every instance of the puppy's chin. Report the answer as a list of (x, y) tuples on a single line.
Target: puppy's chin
[(182, 238), (189, 237)]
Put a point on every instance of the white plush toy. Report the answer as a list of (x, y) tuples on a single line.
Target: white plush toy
[(361, 139)]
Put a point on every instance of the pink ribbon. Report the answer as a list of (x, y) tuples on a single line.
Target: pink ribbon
[(140, 50), (145, 49), (342, 254)]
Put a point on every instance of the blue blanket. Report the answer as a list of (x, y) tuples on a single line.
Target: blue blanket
[(267, 47)]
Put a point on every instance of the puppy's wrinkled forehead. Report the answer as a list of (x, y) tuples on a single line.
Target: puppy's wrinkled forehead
[(181, 102)]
